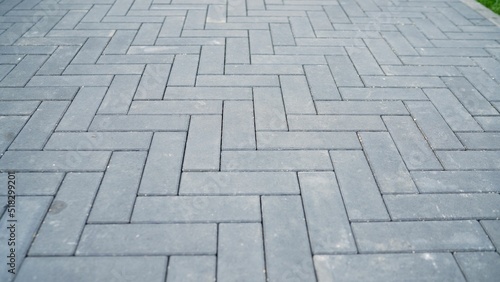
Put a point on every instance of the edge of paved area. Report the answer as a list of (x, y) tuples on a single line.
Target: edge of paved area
[(485, 12)]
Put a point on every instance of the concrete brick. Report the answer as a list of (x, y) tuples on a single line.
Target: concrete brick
[(17, 108), (172, 26), (284, 226), (388, 167), (491, 66), (163, 50), (238, 183), (136, 59), (119, 95), (151, 239), (11, 126), (361, 108), (58, 62), (60, 231), (275, 160), (80, 269), (238, 130), (480, 141), (489, 123), (183, 71), (261, 42), (208, 93), (457, 181), (321, 83), (191, 268), (196, 209), (175, 107), (328, 226), (140, 123), (459, 52), (382, 94), (240, 255), (71, 81), (399, 44), (115, 200), (90, 52), (334, 123), (34, 184), (237, 51), (492, 228), (421, 236), (288, 59), (470, 160), (359, 190), (421, 70), (319, 20), (96, 141), (414, 36), (263, 69), (269, 109), (307, 140), (24, 70), (216, 14), (203, 143), (237, 80), (282, 34), (296, 95), (147, 34), (344, 72), (115, 69), (436, 61), (363, 61), (301, 27), (479, 266), (402, 81), (82, 110), (212, 60), (482, 82), (153, 82), (472, 100), (424, 266), (163, 166)]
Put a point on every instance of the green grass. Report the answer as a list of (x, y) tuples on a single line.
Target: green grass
[(493, 5)]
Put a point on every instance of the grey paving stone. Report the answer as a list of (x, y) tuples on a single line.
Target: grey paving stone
[(377, 267), (238, 131), (61, 228), (399, 44), (284, 226), (172, 27), (388, 167), (153, 82), (469, 160), (319, 20), (301, 27), (216, 14), (359, 190), (437, 61), (203, 143), (282, 34), (328, 226), (35, 50), (136, 59), (421, 70), (275, 160), (344, 72), (269, 109), (120, 42), (489, 123), (196, 209), (443, 206), (336, 14), (29, 214), (140, 123), (147, 34), (453, 112), (411, 144), (296, 95), (421, 236), (288, 59), (334, 123), (307, 140), (212, 60), (472, 100), (96, 141), (364, 61), (82, 109), (361, 108), (40, 126), (238, 183), (183, 71), (457, 181), (70, 80), (263, 69), (237, 80), (163, 166), (191, 268), (402, 81), (34, 184), (261, 42), (23, 71), (414, 36), (86, 269), (480, 141), (382, 52), (58, 62), (11, 126), (208, 93), (115, 200), (240, 253), (349, 93), (482, 82), (483, 266), (148, 239), (491, 66), (433, 126), (321, 83), (104, 69), (90, 52), (237, 51), (492, 228), (119, 95), (175, 107)]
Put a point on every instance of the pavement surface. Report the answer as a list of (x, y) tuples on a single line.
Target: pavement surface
[(249, 140)]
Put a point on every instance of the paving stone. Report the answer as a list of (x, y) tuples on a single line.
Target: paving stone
[(23, 71), (95, 141), (162, 171), (241, 259), (212, 60), (40, 126), (307, 140), (491, 66), (237, 51), (175, 107), (11, 126), (443, 206), (359, 190), (363, 61), (469, 160), (472, 100), (344, 72), (263, 69), (436, 61), (457, 181), (191, 268), (153, 82), (484, 266), (492, 228), (349, 93), (140, 123), (238, 183), (136, 59), (119, 95), (282, 34), (296, 95), (321, 83), (288, 59), (34, 184), (86, 269), (482, 82), (61, 228), (203, 143), (481, 141), (361, 108), (115, 200), (421, 236), (82, 109), (269, 109), (196, 209), (208, 93), (90, 52), (421, 70), (147, 34), (402, 81), (29, 213), (71, 80), (414, 36), (183, 71), (388, 168), (334, 123), (150, 239), (377, 267), (328, 226), (284, 226), (238, 130), (412, 146), (104, 69), (489, 123), (275, 160), (237, 80), (399, 44)]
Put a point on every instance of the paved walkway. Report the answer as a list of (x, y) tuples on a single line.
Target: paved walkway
[(287, 140)]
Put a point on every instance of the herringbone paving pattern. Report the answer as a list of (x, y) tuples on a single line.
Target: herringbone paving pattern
[(250, 140)]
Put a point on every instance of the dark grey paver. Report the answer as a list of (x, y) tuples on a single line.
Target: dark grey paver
[(203, 143), (119, 95), (472, 100), (11, 126), (82, 109), (208, 93), (344, 72), (96, 141), (153, 82), (33, 184)]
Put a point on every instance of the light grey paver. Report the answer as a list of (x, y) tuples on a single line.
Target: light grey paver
[(269, 109), (140, 123), (238, 130), (361, 108), (191, 268), (96, 141), (321, 82), (153, 82), (275, 140), (32, 184), (484, 266), (457, 181), (175, 107), (469, 160), (11, 126), (492, 228), (334, 123), (344, 72), (119, 95), (349, 93), (82, 110), (480, 141), (204, 130)]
